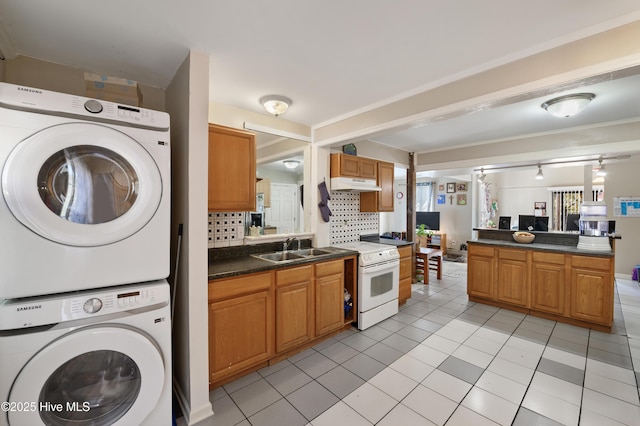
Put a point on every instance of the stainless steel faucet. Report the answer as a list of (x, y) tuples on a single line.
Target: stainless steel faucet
[(285, 244)]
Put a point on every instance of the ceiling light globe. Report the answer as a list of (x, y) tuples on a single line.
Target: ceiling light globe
[(569, 105), (275, 104)]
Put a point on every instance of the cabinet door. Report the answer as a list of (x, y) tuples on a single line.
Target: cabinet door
[(480, 272), (592, 296), (329, 296), (513, 282), (548, 283), (368, 168), (349, 165), (406, 273), (380, 201), (240, 333), (294, 307), (232, 169)]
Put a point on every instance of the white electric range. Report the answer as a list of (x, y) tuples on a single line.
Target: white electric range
[(378, 281)]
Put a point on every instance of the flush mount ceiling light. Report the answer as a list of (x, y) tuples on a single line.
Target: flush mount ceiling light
[(568, 105), (291, 164), (275, 104), (602, 172), (482, 176), (539, 176)]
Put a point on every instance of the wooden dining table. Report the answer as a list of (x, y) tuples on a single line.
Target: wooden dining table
[(429, 259)]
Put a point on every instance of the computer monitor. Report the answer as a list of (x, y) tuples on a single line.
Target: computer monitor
[(526, 222), (430, 220), (541, 223), (573, 222), (504, 222)]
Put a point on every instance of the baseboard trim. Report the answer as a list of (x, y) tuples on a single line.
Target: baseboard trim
[(191, 417)]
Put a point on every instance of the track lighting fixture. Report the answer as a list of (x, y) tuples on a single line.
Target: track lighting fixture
[(602, 172), (482, 176), (539, 176)]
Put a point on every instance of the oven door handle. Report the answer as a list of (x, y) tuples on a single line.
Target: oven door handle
[(388, 265)]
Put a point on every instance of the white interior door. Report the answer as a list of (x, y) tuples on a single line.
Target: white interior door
[(283, 213)]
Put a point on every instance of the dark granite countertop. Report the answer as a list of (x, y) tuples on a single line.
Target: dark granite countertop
[(556, 248), (248, 264), (397, 243)]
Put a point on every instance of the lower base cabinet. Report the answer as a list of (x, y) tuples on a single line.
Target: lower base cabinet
[(294, 307), (241, 328), (258, 317), (329, 297), (560, 286), (548, 283), (406, 273)]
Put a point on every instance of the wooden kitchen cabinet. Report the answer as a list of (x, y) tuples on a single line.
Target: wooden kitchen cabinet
[(406, 273), (480, 272), (353, 166), (384, 200), (329, 296), (232, 169), (548, 282), (513, 277), (592, 289), (264, 186), (241, 324), (294, 307), (561, 286)]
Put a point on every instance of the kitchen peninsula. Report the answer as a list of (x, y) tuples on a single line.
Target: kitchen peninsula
[(549, 278)]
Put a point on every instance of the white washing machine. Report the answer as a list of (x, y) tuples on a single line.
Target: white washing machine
[(97, 357), (85, 193)]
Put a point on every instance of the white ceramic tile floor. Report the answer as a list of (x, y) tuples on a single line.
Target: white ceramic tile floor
[(416, 369)]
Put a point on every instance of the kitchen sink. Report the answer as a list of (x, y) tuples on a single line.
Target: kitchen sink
[(280, 256), (285, 256), (311, 252)]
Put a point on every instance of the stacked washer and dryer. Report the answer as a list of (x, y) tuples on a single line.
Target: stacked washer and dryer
[(85, 327)]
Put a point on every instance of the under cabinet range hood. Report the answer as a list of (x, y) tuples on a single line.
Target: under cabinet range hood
[(354, 184)]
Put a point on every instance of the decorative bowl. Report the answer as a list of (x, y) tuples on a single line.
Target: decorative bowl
[(523, 237)]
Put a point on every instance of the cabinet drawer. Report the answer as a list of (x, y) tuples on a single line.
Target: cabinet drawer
[(405, 268), (404, 251), (232, 287), (480, 250), (507, 254), (329, 268), (544, 257), (588, 262), (294, 275)]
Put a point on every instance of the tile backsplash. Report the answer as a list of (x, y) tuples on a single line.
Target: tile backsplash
[(226, 229), (347, 223)]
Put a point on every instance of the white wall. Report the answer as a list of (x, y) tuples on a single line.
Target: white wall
[(517, 190), (187, 101), (623, 179)]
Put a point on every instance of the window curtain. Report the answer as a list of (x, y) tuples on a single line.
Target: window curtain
[(566, 201), (425, 196)]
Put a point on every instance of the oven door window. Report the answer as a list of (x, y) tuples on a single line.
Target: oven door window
[(381, 284)]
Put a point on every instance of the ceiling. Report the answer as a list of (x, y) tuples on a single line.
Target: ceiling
[(332, 58)]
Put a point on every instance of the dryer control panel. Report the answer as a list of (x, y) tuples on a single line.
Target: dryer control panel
[(48, 102), (50, 310)]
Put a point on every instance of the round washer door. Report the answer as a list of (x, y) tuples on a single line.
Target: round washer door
[(82, 184), (99, 375)]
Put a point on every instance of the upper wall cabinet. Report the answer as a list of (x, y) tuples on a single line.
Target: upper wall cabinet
[(381, 201), (232, 169), (353, 166)]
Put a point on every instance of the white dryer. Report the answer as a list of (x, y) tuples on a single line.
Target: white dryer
[(85, 193), (97, 357)]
